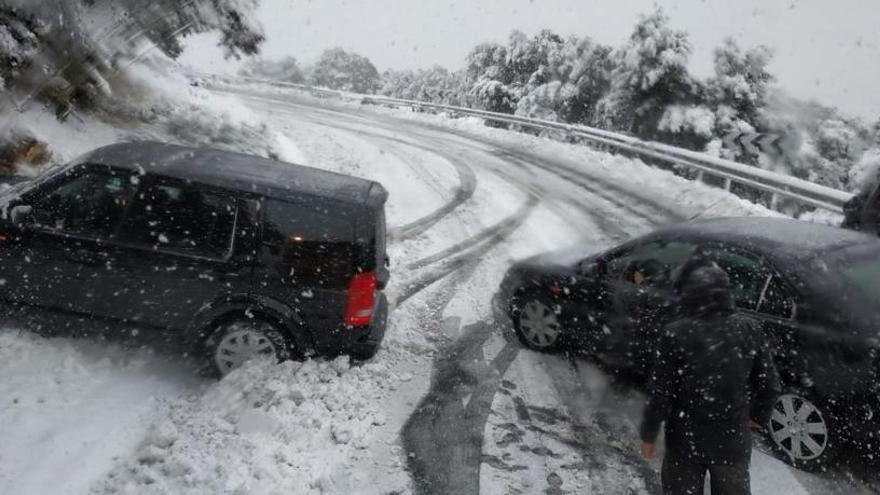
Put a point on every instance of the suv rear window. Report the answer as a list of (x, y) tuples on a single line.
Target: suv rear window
[(308, 245), (173, 215)]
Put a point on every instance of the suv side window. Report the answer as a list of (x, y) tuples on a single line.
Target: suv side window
[(652, 263), (308, 246), (87, 201), (174, 215)]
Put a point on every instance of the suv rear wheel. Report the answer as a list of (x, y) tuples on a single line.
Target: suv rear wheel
[(803, 432), (237, 342)]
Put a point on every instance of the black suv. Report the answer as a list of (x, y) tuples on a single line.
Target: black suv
[(221, 253)]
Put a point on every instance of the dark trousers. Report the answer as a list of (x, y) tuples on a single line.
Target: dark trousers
[(681, 477)]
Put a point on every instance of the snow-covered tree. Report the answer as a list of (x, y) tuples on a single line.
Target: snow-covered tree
[(73, 52), (650, 73), (741, 80), (590, 78), (528, 59), (19, 43), (348, 71), (487, 61)]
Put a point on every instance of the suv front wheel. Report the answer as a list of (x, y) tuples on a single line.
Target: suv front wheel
[(236, 342)]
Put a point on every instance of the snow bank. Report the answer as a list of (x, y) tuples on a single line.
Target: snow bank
[(265, 428), (68, 407), (157, 106)]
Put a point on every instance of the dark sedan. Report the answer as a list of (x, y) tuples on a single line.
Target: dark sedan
[(813, 289)]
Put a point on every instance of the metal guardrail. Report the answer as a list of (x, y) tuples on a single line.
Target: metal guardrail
[(778, 185)]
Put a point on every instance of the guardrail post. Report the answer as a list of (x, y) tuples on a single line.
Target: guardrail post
[(700, 176), (774, 202), (727, 183)]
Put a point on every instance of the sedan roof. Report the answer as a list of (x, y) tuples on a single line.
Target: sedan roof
[(236, 171), (781, 236)]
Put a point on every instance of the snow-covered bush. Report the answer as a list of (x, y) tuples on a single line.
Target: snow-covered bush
[(545, 101), (339, 69), (698, 120), (434, 85), (287, 69), (491, 95)]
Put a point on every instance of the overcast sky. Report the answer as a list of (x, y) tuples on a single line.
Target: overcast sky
[(828, 50)]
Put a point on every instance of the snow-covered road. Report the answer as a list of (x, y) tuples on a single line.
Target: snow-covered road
[(498, 419), (451, 404)]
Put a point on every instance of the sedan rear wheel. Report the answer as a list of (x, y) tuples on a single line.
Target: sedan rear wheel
[(802, 432), (537, 325)]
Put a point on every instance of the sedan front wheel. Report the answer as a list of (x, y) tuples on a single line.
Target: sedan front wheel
[(537, 325)]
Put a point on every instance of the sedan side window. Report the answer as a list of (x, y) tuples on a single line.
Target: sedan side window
[(650, 264), (755, 286), (88, 203), (173, 215), (776, 300)]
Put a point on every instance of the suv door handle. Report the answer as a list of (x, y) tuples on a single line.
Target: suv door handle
[(86, 257)]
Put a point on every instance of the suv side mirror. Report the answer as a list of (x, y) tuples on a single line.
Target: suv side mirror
[(22, 215)]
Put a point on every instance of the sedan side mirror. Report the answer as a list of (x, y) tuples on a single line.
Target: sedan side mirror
[(22, 215), (589, 268)]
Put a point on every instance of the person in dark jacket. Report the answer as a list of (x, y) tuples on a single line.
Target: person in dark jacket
[(712, 379)]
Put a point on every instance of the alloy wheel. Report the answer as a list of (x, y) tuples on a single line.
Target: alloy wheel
[(539, 324), (239, 346), (799, 428)]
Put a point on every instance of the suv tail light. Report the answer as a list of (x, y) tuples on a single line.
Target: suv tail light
[(361, 299)]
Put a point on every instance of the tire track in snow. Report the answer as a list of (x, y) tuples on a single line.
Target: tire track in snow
[(657, 214), (446, 458), (464, 252), (444, 436), (597, 188), (460, 194)]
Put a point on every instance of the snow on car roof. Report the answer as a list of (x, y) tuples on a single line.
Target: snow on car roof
[(234, 171), (788, 236)]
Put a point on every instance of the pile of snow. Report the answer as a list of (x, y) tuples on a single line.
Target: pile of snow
[(265, 428), (68, 407)]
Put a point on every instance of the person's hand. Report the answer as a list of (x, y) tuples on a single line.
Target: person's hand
[(649, 450), (754, 424)]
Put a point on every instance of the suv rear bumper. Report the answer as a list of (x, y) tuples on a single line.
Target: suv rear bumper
[(358, 342)]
